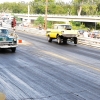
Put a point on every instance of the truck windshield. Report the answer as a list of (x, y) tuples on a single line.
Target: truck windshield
[(65, 27)]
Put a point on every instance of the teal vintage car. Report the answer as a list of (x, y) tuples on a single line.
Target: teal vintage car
[(8, 40)]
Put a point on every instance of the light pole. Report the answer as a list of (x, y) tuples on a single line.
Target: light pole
[(46, 8)]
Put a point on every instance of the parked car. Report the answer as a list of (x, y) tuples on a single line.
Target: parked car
[(98, 35), (8, 40), (80, 32), (95, 34)]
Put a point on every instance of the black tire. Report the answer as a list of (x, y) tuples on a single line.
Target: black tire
[(13, 49), (75, 40), (59, 40), (2, 49), (49, 39), (64, 41)]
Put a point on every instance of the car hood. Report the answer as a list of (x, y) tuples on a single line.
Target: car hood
[(6, 38)]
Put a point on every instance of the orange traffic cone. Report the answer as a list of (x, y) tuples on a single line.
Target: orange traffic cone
[(20, 41)]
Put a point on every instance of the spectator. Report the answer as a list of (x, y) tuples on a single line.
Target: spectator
[(1, 24), (13, 23), (85, 34), (40, 27)]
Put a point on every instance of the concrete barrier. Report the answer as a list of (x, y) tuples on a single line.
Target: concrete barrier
[(31, 30), (89, 41)]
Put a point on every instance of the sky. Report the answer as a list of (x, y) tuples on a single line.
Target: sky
[(2, 1)]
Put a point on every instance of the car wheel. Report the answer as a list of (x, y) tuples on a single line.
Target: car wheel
[(59, 40), (13, 49), (75, 40), (49, 39)]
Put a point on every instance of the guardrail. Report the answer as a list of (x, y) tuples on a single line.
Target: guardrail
[(89, 41), (31, 30)]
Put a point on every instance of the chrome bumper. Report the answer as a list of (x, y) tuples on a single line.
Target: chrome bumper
[(8, 46), (69, 35)]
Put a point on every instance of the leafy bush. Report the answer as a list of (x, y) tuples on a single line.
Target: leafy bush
[(77, 25), (40, 20)]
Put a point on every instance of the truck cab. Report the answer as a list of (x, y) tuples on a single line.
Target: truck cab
[(62, 26)]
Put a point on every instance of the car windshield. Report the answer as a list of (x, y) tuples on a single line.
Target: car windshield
[(3, 32)]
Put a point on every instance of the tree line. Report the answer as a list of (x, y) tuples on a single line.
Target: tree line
[(75, 7)]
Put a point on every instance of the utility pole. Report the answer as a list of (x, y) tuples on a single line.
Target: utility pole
[(28, 10), (95, 25), (46, 7)]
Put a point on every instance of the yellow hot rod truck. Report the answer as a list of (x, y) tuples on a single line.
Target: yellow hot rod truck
[(63, 33)]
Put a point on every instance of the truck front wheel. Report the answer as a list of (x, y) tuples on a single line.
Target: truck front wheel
[(49, 39), (75, 40), (59, 40)]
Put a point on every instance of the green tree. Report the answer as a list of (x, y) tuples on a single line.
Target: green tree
[(98, 9), (5, 7), (38, 6), (39, 20), (19, 8), (85, 6), (13, 7), (89, 9), (77, 25)]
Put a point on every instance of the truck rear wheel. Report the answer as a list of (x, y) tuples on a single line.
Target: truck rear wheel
[(49, 39), (59, 40), (64, 41), (13, 49), (75, 40)]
